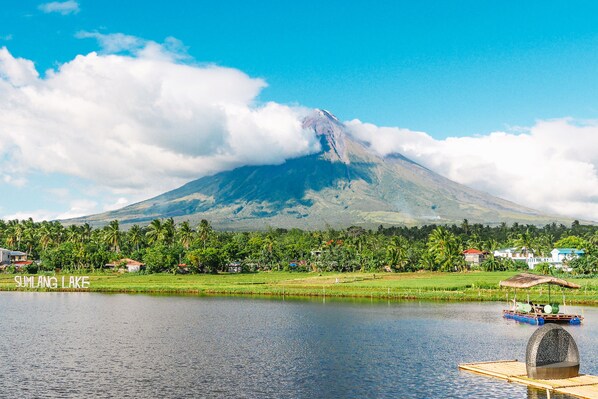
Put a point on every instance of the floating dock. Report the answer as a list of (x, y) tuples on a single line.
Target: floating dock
[(583, 386), (539, 319)]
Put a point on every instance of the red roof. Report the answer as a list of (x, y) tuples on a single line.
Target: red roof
[(473, 251), (23, 262)]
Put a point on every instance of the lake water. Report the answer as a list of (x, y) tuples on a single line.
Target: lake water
[(60, 345)]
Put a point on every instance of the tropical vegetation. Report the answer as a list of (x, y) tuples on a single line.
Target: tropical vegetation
[(164, 246)]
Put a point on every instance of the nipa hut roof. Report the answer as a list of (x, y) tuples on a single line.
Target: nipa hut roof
[(527, 280)]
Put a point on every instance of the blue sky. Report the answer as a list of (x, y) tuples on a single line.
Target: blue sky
[(447, 68)]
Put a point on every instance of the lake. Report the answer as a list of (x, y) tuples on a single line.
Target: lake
[(60, 345)]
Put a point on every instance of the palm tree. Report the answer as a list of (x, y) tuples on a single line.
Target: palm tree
[(204, 231), (185, 234), (17, 232), (169, 231), (135, 236), (45, 235), (445, 249), (396, 253), (85, 233), (112, 235), (155, 232), (525, 242)]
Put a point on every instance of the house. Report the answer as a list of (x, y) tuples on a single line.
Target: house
[(296, 263), (474, 257), (562, 255), (182, 268), (514, 253), (11, 257), (131, 265), (558, 259), (234, 267)]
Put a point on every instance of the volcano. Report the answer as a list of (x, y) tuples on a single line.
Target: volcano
[(344, 184)]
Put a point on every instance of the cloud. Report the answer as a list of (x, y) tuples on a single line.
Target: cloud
[(16, 71), (139, 124), (171, 49), (76, 208), (17, 182), (61, 7), (116, 205), (551, 166)]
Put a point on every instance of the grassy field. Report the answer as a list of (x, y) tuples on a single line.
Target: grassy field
[(471, 286)]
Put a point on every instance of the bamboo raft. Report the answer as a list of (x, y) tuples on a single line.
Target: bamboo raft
[(583, 386)]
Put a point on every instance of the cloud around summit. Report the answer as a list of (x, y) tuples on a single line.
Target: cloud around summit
[(551, 166)]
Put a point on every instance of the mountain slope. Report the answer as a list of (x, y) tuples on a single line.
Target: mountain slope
[(344, 184)]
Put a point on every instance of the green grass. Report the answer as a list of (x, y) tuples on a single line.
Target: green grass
[(470, 286)]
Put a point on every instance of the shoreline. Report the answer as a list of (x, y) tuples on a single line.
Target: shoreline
[(428, 286)]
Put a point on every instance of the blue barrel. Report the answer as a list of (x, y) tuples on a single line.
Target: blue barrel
[(575, 321)]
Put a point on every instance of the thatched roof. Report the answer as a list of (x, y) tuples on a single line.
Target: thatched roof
[(526, 280)]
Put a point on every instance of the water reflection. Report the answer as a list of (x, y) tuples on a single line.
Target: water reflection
[(57, 345), (533, 393)]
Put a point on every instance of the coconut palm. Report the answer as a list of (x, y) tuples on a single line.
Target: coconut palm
[(135, 236), (185, 234), (204, 231), (445, 249), (525, 242), (112, 235), (155, 232)]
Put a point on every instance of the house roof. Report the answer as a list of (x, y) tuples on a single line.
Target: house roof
[(473, 251), (13, 253), (527, 280), (23, 262), (569, 251)]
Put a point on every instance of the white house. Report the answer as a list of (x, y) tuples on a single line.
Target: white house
[(131, 265), (557, 259), (560, 255), (514, 253)]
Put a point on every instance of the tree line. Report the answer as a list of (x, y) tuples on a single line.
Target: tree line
[(164, 246)]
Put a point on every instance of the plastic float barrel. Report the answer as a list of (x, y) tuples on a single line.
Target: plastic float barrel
[(527, 307), (547, 309), (575, 321), (540, 321), (555, 308)]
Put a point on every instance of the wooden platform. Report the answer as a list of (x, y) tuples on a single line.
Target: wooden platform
[(583, 386)]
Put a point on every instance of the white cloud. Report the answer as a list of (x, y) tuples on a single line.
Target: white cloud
[(61, 7), (76, 208), (16, 71), (139, 124), (116, 205), (17, 182), (552, 166), (171, 49)]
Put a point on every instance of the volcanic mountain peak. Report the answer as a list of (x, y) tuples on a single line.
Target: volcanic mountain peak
[(331, 132), (345, 184)]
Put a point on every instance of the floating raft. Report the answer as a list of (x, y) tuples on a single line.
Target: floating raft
[(540, 319), (583, 386)]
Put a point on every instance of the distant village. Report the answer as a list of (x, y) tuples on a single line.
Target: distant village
[(559, 259)]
